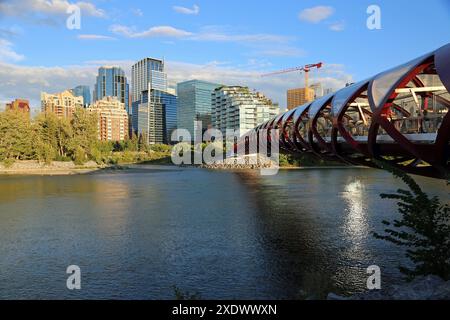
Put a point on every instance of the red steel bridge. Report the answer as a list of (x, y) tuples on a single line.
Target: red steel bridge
[(400, 116)]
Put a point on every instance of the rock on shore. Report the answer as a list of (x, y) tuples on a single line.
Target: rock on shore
[(56, 167), (244, 163)]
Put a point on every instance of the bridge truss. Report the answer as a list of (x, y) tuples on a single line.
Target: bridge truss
[(400, 116)]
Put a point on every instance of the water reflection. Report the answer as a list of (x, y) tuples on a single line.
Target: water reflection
[(225, 235), (355, 224)]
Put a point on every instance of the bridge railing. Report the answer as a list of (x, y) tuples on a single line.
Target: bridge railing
[(400, 114)]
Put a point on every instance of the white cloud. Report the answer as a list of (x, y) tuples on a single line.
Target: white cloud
[(94, 37), (159, 31), (45, 11), (331, 76), (10, 32), (27, 82), (90, 9), (338, 26), (316, 14), (7, 53), (212, 34), (183, 10), (137, 12), (224, 37)]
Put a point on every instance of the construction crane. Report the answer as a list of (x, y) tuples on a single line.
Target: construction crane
[(306, 69)]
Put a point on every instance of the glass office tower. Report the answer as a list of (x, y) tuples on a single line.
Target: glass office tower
[(112, 82), (169, 102), (85, 92), (194, 104), (149, 82)]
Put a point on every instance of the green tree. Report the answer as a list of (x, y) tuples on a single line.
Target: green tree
[(424, 228), (16, 136), (142, 143), (45, 152), (85, 134), (132, 144), (53, 134), (161, 148), (79, 157)]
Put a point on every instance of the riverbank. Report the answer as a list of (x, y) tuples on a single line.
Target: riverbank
[(59, 168), (63, 168), (33, 167), (258, 163)]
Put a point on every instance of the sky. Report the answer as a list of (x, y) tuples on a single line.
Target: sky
[(230, 42)]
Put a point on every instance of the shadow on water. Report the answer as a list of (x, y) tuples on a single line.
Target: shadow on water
[(137, 233), (318, 224), (292, 240)]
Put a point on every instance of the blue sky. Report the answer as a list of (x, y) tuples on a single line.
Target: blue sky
[(231, 42)]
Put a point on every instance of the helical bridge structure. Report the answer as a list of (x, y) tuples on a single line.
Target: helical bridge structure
[(399, 116)]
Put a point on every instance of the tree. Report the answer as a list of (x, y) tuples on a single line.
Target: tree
[(85, 131), (53, 133), (142, 143), (133, 143), (424, 228), (16, 136), (79, 157)]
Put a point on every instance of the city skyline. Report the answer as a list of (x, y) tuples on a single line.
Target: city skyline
[(197, 41)]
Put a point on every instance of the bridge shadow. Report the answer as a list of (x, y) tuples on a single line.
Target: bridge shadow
[(292, 239)]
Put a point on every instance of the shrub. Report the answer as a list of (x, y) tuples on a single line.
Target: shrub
[(79, 157), (424, 228), (46, 153), (160, 148), (97, 156), (8, 163), (128, 157)]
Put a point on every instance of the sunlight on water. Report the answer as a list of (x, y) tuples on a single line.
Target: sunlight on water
[(355, 223), (135, 234)]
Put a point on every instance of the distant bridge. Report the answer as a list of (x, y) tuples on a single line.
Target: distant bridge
[(400, 115)]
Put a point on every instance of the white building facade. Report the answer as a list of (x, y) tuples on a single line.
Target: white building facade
[(239, 108)]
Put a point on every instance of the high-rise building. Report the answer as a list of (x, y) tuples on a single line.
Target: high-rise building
[(150, 115), (112, 82), (112, 119), (299, 96), (239, 108), (149, 82), (194, 104), (19, 104), (85, 92), (62, 104), (169, 102), (318, 90)]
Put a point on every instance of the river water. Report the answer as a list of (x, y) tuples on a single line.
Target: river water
[(136, 234)]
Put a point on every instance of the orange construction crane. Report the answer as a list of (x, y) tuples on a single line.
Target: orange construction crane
[(306, 69)]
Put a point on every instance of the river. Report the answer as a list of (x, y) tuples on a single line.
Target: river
[(136, 234)]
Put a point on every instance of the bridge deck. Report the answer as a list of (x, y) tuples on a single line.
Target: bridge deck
[(428, 138)]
